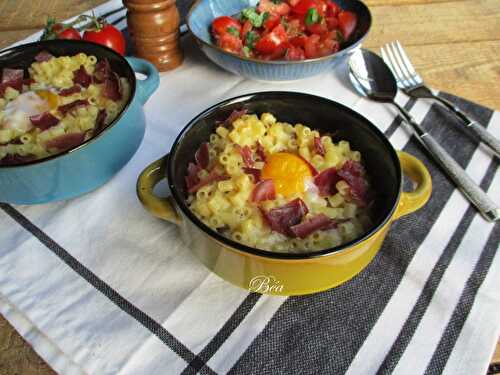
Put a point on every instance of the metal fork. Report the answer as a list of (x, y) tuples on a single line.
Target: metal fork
[(413, 85)]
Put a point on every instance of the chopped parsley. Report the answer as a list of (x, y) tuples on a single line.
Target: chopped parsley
[(340, 37), (233, 31), (255, 18), (246, 51), (277, 2), (284, 22), (251, 38), (312, 16)]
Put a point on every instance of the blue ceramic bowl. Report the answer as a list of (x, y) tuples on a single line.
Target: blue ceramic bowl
[(203, 12), (94, 162)]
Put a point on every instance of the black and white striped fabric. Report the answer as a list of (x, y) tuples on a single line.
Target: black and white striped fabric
[(98, 286)]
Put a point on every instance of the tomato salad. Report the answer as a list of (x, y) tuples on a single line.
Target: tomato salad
[(285, 30)]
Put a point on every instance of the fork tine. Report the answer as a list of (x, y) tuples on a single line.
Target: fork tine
[(406, 60), (407, 63), (400, 74), (398, 60), (389, 63)]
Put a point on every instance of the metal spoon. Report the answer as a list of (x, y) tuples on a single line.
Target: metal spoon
[(372, 78)]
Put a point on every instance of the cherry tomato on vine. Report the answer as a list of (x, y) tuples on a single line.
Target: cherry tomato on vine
[(108, 36), (67, 33), (58, 30)]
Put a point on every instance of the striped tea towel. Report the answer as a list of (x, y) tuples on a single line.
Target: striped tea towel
[(99, 286)]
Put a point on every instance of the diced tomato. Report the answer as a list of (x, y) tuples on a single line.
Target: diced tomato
[(317, 46), (294, 53), (332, 23), (318, 28), (296, 26), (303, 6), (220, 25), (271, 42), (298, 41), (230, 43), (291, 29), (333, 9), (333, 35), (247, 26), (280, 8), (347, 23), (311, 46), (327, 47), (322, 6), (278, 53), (272, 21)]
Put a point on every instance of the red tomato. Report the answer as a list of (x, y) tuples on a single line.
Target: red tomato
[(293, 2), (318, 28), (230, 43), (303, 6), (296, 26), (278, 53), (294, 53), (327, 47), (298, 41), (69, 33), (108, 36), (332, 23), (347, 23), (272, 21), (281, 9), (271, 42), (333, 9), (322, 6), (311, 46), (317, 46), (221, 24), (57, 30), (332, 34), (247, 26)]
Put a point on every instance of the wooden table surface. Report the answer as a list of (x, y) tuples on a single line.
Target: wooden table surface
[(454, 45)]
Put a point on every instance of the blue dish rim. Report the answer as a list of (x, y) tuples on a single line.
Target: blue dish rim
[(278, 62), (91, 139)]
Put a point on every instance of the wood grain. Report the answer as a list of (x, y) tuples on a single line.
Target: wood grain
[(496, 355), (454, 45)]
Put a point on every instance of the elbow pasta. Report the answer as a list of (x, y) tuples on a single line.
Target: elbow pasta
[(22, 139), (227, 205)]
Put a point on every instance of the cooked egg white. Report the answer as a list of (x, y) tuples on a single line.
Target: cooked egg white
[(18, 111)]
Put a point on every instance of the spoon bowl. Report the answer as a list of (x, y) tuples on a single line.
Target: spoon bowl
[(372, 78)]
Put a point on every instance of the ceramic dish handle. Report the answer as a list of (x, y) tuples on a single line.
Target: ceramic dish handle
[(146, 87), (162, 208), (418, 173)]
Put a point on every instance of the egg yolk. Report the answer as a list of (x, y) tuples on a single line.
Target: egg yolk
[(49, 97), (288, 172)]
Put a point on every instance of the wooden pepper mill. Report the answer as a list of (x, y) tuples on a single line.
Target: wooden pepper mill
[(154, 29)]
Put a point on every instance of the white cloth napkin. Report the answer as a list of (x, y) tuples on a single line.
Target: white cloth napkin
[(99, 286)]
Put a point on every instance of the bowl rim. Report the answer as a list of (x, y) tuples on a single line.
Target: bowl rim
[(278, 62), (91, 139), (181, 201)]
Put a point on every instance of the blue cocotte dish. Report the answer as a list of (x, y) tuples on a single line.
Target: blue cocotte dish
[(203, 12), (95, 161)]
